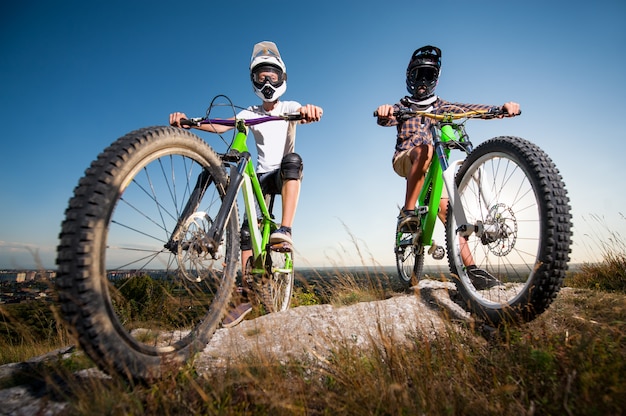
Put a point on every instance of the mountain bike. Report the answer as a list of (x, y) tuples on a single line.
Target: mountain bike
[(149, 247), (507, 207)]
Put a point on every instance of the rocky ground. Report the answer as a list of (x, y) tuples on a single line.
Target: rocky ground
[(304, 332)]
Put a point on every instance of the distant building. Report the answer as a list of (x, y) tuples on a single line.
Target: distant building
[(22, 276)]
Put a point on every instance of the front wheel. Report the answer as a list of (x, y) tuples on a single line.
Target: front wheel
[(139, 282), (518, 210)]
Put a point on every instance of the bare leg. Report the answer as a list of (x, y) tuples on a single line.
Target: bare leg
[(466, 255), (421, 157), (245, 255), (443, 210), (290, 195)]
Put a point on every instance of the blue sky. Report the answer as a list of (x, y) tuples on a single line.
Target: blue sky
[(76, 75)]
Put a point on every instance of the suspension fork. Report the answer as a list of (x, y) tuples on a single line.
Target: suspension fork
[(214, 235), (464, 228), (202, 184)]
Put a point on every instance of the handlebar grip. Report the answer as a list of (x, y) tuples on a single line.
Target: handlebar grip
[(500, 110), (395, 113), (187, 122), (293, 117)]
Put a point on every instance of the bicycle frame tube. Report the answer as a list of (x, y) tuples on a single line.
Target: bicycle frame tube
[(432, 186), (252, 194), (434, 181), (448, 176)]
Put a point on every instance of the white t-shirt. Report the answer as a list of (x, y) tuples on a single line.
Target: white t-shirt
[(274, 139)]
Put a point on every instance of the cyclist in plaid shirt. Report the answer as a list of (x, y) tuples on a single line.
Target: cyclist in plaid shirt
[(414, 148), (416, 131)]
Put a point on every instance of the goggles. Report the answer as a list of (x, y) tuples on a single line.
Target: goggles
[(264, 74), (427, 73)]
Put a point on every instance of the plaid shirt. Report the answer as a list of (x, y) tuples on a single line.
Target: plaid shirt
[(416, 131)]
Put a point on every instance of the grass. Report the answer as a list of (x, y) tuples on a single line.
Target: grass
[(610, 273), (29, 329), (571, 360)]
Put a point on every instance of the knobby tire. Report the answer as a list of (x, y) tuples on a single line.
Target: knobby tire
[(409, 259), (277, 284), (136, 307), (524, 208)]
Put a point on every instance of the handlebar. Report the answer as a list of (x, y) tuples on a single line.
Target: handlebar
[(195, 122), (447, 116)]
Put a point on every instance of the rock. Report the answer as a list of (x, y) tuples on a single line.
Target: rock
[(306, 332), (314, 331)]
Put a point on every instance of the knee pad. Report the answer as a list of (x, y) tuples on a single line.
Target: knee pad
[(245, 241), (291, 167)]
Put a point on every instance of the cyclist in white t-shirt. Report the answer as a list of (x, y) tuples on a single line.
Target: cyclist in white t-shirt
[(278, 165)]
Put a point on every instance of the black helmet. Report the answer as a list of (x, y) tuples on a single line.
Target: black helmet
[(423, 70)]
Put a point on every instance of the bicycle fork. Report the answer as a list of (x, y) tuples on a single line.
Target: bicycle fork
[(211, 241), (202, 183), (448, 172), (464, 228)]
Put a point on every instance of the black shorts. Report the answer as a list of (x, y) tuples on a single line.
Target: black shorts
[(271, 182)]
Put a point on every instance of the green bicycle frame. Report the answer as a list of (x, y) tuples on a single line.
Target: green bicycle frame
[(252, 192), (434, 182)]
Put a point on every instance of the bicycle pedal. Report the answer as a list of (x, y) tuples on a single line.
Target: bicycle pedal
[(281, 247)]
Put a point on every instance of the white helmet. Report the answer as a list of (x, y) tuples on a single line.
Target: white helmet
[(267, 72)]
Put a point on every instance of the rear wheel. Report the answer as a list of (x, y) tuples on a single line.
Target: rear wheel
[(515, 201), (277, 285), (136, 278), (409, 255)]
